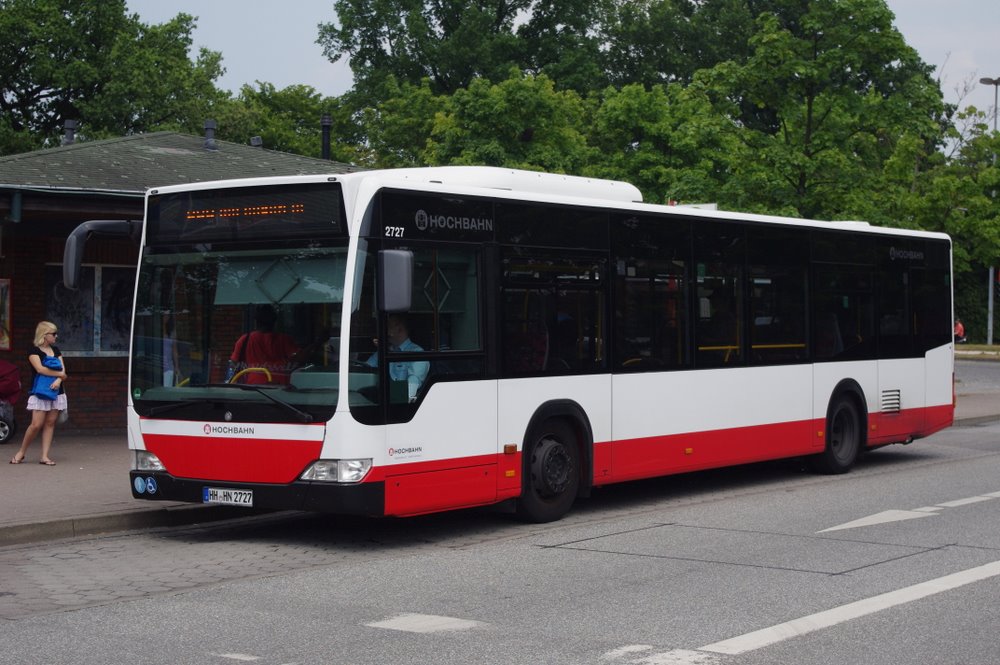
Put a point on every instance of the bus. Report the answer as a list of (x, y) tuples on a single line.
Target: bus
[(561, 335)]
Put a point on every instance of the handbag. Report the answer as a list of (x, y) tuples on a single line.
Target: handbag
[(42, 387)]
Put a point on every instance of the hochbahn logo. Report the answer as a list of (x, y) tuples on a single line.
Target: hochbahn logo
[(396, 452), (425, 221), (230, 430), (906, 254)]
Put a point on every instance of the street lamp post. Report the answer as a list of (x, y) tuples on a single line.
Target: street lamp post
[(995, 82)]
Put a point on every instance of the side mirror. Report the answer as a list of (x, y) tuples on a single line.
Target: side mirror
[(77, 240), (395, 279)]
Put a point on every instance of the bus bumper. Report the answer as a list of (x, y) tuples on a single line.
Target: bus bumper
[(359, 499)]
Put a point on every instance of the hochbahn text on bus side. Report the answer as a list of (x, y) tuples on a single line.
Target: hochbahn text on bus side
[(464, 336)]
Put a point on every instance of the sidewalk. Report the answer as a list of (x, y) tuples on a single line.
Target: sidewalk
[(88, 492)]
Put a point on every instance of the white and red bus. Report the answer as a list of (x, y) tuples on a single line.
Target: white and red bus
[(563, 335)]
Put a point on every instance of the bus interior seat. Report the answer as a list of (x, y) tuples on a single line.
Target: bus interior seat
[(527, 350)]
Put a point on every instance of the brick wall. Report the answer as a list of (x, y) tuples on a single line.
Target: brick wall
[(96, 386)]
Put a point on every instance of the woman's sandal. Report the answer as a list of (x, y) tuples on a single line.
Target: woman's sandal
[(14, 460), (47, 462)]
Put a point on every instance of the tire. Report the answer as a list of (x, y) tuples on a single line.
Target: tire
[(844, 437), (8, 428), (551, 476)]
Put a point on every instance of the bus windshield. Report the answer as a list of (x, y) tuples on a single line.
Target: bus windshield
[(252, 332)]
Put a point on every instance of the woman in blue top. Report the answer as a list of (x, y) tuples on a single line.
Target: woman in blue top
[(44, 412)]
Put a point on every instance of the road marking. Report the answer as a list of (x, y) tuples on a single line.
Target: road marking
[(965, 502), (246, 658), (880, 518), (424, 623), (887, 516), (646, 656), (837, 615)]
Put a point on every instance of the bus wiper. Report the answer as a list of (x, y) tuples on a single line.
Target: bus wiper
[(164, 408), (300, 415), (303, 417)]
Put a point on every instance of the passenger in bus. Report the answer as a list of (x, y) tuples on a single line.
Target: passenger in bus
[(414, 373), (171, 361), (266, 349)]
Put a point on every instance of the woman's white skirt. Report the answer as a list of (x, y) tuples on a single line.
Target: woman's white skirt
[(38, 404)]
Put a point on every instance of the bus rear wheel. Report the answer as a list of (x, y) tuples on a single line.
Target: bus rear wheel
[(552, 473), (844, 436)]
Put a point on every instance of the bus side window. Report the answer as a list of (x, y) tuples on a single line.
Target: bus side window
[(720, 254)]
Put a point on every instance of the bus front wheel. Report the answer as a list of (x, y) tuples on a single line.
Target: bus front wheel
[(844, 436), (551, 473)]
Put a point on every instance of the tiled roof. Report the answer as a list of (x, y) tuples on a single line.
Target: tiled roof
[(139, 162)]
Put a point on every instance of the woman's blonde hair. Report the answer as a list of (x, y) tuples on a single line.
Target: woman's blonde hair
[(43, 328)]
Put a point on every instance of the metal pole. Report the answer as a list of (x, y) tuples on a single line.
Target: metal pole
[(989, 310), (995, 82)]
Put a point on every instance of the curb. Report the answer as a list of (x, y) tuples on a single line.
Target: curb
[(90, 525), (976, 420), (991, 356)]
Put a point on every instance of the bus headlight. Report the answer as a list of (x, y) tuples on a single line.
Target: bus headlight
[(147, 461), (338, 471)]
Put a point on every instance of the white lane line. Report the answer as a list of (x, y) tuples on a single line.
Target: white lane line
[(243, 657), (887, 516), (965, 502), (880, 518), (643, 654), (424, 623), (628, 650), (837, 615)]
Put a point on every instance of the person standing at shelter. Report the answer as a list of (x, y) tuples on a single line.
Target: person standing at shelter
[(46, 361)]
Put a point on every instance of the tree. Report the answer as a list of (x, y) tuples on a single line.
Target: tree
[(287, 120), (399, 128), (666, 41), (449, 43), (522, 122), (828, 88), (87, 60), (668, 141)]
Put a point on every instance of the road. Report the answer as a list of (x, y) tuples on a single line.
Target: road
[(896, 562), (976, 376)]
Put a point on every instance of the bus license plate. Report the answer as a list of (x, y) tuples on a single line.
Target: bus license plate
[(229, 497)]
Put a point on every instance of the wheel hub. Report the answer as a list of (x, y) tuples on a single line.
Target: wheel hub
[(552, 467)]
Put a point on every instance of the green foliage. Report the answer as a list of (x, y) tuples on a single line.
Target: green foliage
[(522, 122), (829, 87), (287, 120), (667, 140), (87, 60), (448, 43), (398, 129)]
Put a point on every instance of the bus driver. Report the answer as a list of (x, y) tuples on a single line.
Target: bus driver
[(414, 373)]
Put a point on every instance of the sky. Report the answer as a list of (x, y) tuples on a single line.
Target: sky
[(275, 41)]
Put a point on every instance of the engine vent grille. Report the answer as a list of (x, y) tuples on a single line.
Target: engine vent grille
[(891, 401)]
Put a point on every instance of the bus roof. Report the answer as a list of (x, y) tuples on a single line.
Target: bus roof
[(542, 187), (514, 180)]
